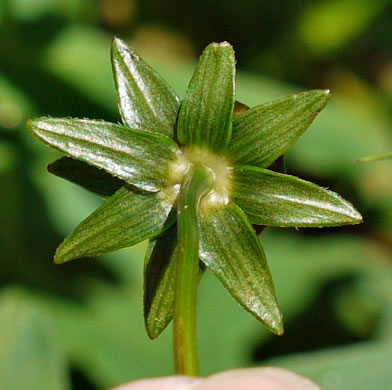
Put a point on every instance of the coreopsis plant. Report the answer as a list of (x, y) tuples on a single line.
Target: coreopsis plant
[(192, 177)]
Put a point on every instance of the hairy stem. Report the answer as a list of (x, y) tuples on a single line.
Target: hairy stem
[(197, 183)]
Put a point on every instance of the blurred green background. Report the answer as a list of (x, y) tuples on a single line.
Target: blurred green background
[(79, 326)]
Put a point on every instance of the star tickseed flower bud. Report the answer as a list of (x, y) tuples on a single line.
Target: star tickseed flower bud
[(193, 178)]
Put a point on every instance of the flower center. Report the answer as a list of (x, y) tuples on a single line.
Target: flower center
[(217, 164)]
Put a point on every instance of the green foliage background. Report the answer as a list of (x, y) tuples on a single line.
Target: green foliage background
[(80, 325)]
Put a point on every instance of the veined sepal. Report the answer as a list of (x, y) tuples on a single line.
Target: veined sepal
[(146, 102), (125, 219), (139, 158), (263, 133), (205, 117), (275, 199), (230, 248)]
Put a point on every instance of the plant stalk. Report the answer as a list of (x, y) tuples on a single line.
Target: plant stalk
[(197, 183)]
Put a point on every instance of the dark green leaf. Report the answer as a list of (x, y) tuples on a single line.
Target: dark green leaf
[(230, 248), (275, 199), (146, 101), (139, 158), (125, 219), (160, 266), (263, 133), (87, 176), (206, 112)]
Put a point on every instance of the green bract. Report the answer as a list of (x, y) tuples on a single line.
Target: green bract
[(206, 153)]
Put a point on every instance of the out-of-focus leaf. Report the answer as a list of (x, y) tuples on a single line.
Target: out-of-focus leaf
[(125, 219), (274, 199), (385, 327), (135, 156), (263, 133), (106, 339), (30, 354), (79, 56), (30, 10), (8, 157), (205, 117), (146, 101), (230, 248), (15, 106), (359, 305), (325, 27), (361, 367), (311, 261), (87, 176)]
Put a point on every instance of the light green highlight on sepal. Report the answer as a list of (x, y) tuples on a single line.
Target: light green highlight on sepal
[(145, 100), (137, 157)]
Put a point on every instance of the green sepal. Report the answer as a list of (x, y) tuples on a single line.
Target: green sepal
[(137, 157), (230, 248), (160, 265), (205, 117), (275, 199), (91, 178), (145, 100), (125, 219), (263, 133)]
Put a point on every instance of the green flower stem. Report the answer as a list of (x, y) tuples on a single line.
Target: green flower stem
[(197, 183)]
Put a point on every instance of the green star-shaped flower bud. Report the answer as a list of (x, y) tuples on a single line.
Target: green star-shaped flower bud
[(192, 177)]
